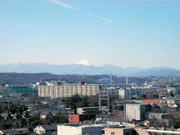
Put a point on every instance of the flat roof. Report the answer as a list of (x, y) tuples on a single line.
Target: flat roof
[(82, 125), (163, 131)]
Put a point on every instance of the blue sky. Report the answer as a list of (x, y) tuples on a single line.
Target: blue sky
[(123, 33)]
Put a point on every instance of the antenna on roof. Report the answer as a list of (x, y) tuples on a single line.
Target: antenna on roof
[(111, 79), (126, 81), (59, 79)]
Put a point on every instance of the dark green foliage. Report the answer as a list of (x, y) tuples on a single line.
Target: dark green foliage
[(20, 122), (77, 101)]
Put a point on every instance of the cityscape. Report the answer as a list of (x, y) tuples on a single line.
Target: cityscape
[(89, 67)]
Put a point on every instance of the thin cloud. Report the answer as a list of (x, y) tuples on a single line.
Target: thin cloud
[(63, 4)]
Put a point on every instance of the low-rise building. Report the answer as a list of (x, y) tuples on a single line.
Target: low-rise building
[(102, 117), (158, 116), (88, 110), (162, 132), (18, 131), (77, 118), (154, 101), (129, 93), (42, 129), (19, 89), (112, 90), (119, 131), (76, 129), (141, 131)]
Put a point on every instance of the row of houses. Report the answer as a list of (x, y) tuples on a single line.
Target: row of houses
[(91, 129), (100, 129)]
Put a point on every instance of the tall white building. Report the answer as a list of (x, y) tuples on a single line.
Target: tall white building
[(134, 111), (126, 81), (62, 91)]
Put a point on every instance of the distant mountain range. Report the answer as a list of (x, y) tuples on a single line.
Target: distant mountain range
[(87, 69)]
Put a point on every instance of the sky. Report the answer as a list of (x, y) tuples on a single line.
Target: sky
[(130, 33)]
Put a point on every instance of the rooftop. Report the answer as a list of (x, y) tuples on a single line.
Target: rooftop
[(164, 132)]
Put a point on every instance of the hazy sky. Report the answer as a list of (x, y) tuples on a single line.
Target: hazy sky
[(126, 34)]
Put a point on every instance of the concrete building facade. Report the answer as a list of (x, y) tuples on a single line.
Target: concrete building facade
[(134, 111), (119, 131), (80, 130), (128, 93), (87, 110), (63, 91)]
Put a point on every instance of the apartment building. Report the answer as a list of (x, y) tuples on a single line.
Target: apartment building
[(63, 91)]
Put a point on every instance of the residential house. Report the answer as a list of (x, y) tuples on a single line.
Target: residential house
[(42, 129)]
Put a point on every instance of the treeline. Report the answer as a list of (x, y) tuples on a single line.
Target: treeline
[(77, 101), (30, 78), (17, 116)]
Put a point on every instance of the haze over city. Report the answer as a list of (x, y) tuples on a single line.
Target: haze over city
[(89, 67), (123, 33)]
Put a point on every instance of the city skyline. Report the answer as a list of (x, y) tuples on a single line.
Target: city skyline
[(141, 34)]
